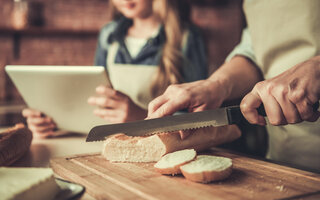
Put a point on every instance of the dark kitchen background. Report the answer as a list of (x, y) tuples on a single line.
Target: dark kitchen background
[(64, 32)]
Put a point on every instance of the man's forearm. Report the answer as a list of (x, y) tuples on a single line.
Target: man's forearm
[(238, 76)]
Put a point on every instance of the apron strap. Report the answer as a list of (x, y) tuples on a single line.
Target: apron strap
[(115, 46), (112, 53), (184, 41)]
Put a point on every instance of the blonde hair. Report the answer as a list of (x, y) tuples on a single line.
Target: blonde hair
[(174, 15)]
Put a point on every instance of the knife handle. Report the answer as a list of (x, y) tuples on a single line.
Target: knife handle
[(235, 115), (261, 110)]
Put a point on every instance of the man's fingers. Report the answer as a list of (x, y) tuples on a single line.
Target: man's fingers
[(168, 108), (289, 110), (314, 117), (155, 104), (273, 110), (198, 109), (185, 133), (305, 110), (249, 105), (164, 105)]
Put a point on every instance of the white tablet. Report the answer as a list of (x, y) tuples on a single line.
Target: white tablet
[(61, 92)]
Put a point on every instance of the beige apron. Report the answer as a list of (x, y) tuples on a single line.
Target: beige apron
[(285, 33), (132, 80)]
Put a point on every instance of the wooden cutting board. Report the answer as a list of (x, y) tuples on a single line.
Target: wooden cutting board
[(251, 179)]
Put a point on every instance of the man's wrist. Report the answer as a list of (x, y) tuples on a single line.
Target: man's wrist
[(220, 80), (317, 60)]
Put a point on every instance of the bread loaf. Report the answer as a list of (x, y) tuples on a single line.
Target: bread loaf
[(123, 148), (14, 143), (205, 169), (171, 162)]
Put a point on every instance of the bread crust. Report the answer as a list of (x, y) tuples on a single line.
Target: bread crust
[(123, 148), (172, 170), (208, 176), (200, 139), (14, 143)]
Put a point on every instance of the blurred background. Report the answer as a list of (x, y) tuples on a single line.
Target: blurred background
[(64, 32)]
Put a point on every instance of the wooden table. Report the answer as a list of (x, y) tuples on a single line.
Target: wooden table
[(42, 150), (251, 179)]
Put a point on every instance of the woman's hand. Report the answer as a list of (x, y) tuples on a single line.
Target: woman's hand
[(41, 125), (288, 97), (115, 107)]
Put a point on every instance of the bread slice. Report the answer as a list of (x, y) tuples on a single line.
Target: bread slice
[(171, 162), (14, 143), (21, 183), (123, 148), (205, 169)]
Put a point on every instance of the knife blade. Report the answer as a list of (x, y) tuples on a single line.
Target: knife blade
[(216, 117)]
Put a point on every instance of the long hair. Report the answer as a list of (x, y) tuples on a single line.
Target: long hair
[(175, 16)]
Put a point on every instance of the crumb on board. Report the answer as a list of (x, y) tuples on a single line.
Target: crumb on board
[(280, 188)]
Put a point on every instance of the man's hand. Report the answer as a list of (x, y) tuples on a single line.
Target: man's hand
[(40, 125), (195, 96), (288, 97), (114, 106)]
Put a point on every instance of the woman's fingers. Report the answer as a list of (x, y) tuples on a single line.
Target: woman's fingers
[(104, 112), (28, 112), (109, 92), (42, 131), (46, 134), (102, 102), (39, 120), (110, 115), (42, 128), (40, 125), (107, 97)]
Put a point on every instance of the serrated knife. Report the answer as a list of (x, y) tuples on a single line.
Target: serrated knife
[(216, 117)]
